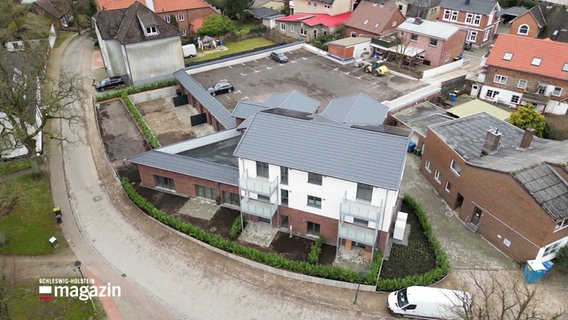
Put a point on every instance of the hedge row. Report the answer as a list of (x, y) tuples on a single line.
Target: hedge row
[(442, 263), (236, 228), (152, 140), (134, 90), (315, 250), (271, 259)]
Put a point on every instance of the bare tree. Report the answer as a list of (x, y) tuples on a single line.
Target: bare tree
[(401, 49), (7, 281), (494, 298)]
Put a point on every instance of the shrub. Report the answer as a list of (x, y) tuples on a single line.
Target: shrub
[(152, 140), (562, 256), (236, 228), (315, 250)]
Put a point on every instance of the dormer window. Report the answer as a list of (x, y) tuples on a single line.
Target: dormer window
[(507, 56), (151, 31), (565, 67), (366, 21), (536, 61)]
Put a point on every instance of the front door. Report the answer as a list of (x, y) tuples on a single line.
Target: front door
[(476, 216)]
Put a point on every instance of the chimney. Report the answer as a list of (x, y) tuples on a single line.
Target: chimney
[(417, 20), (527, 138), (491, 142), (467, 2)]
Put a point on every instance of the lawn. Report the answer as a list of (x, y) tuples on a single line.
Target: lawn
[(62, 36), (26, 216), (416, 258), (14, 166), (233, 47), (24, 303)]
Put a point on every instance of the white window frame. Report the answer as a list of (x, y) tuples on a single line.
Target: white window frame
[(151, 30), (303, 32), (447, 14), (522, 84), (448, 186), (282, 26), (428, 166), (292, 28), (491, 93), (455, 168), (552, 248), (524, 25), (167, 18), (469, 18), (500, 79), (515, 99), (558, 92), (435, 42), (536, 61), (455, 16), (183, 32), (477, 20), (508, 56), (413, 35), (565, 67), (180, 17), (438, 176), (561, 225), (472, 36)]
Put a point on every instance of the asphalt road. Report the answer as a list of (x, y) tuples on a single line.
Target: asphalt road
[(164, 275)]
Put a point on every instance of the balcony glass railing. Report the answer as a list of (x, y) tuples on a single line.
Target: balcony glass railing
[(258, 185), (355, 233), (359, 209), (258, 208)]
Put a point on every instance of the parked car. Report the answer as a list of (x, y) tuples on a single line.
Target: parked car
[(220, 87), (427, 302), (278, 57), (109, 83)]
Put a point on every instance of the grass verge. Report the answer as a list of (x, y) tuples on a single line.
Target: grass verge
[(235, 47), (27, 216), (14, 166)]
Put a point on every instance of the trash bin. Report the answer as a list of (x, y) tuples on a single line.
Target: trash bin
[(453, 96), (411, 146), (220, 42), (534, 270)]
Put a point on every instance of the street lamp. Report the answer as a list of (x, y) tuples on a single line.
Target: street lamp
[(78, 266), (362, 275)]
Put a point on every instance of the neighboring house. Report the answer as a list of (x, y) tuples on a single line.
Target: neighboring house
[(329, 7), (137, 44), (478, 17), (56, 10), (373, 20), (266, 16), (188, 13), (269, 4), (545, 20), (505, 184), (428, 10), (516, 75), (349, 48), (307, 26), (439, 43)]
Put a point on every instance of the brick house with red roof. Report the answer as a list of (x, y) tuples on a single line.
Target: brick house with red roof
[(189, 14), (478, 17), (374, 20), (545, 20), (518, 73)]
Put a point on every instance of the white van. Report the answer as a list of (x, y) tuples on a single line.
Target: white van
[(189, 51), (428, 303)]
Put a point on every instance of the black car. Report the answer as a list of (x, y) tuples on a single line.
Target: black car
[(279, 57), (220, 87), (109, 83)]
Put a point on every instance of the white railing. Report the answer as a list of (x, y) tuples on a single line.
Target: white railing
[(258, 208)]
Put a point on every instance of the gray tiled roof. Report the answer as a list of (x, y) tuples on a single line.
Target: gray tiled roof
[(211, 104), (188, 166), (513, 11), (295, 141), (421, 116), (293, 100), (247, 108), (126, 25), (551, 18), (467, 135), (356, 109), (264, 13), (547, 188), (475, 6)]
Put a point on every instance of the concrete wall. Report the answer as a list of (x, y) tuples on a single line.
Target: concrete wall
[(430, 73), (154, 59), (113, 58), (153, 95)]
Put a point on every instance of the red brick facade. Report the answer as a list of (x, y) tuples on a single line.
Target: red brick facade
[(510, 218), (528, 20), (192, 19), (485, 30), (444, 52), (341, 51)]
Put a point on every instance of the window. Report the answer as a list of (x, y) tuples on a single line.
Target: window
[(541, 89), (262, 169), (360, 222), (523, 29), (364, 192), (180, 17), (433, 42), (447, 58), (366, 21), (507, 56), (263, 198), (438, 176), (450, 15), (557, 91), (515, 99), (231, 198), (314, 178), (561, 225), (469, 18), (565, 67), (477, 19), (448, 186), (291, 28), (326, 7), (491, 94), (522, 84), (167, 18), (164, 182), (377, 25), (303, 32), (472, 36), (500, 79), (183, 32), (283, 175), (151, 30), (314, 202), (282, 26), (552, 248), (454, 16), (284, 197), (413, 37), (486, 34), (394, 23), (313, 228), (447, 14), (536, 61), (428, 166), (204, 192), (455, 167)]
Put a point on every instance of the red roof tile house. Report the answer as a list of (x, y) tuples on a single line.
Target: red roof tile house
[(527, 70), (436, 43), (545, 20), (373, 20), (308, 26), (478, 17), (189, 14), (504, 183)]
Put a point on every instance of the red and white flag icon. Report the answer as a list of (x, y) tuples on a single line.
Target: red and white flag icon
[(45, 293)]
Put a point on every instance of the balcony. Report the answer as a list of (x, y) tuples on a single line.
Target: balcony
[(258, 208), (258, 185), (360, 209), (356, 233)]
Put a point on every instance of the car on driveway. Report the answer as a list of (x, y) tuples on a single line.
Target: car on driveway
[(109, 83), (220, 87), (278, 57)]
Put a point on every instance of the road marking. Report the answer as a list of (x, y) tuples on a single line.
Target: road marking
[(304, 58), (230, 67), (336, 68), (245, 98), (346, 72), (268, 68), (243, 74), (256, 71)]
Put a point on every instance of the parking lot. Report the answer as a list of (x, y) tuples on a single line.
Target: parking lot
[(316, 76)]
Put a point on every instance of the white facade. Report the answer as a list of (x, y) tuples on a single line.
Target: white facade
[(513, 98), (154, 60), (551, 250)]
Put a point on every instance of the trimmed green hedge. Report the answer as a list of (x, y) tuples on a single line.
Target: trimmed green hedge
[(271, 259), (152, 140), (236, 228), (315, 250), (442, 263)]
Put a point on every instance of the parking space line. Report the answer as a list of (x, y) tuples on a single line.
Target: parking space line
[(243, 74)]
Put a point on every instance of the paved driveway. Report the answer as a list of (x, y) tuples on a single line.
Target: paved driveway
[(318, 77)]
